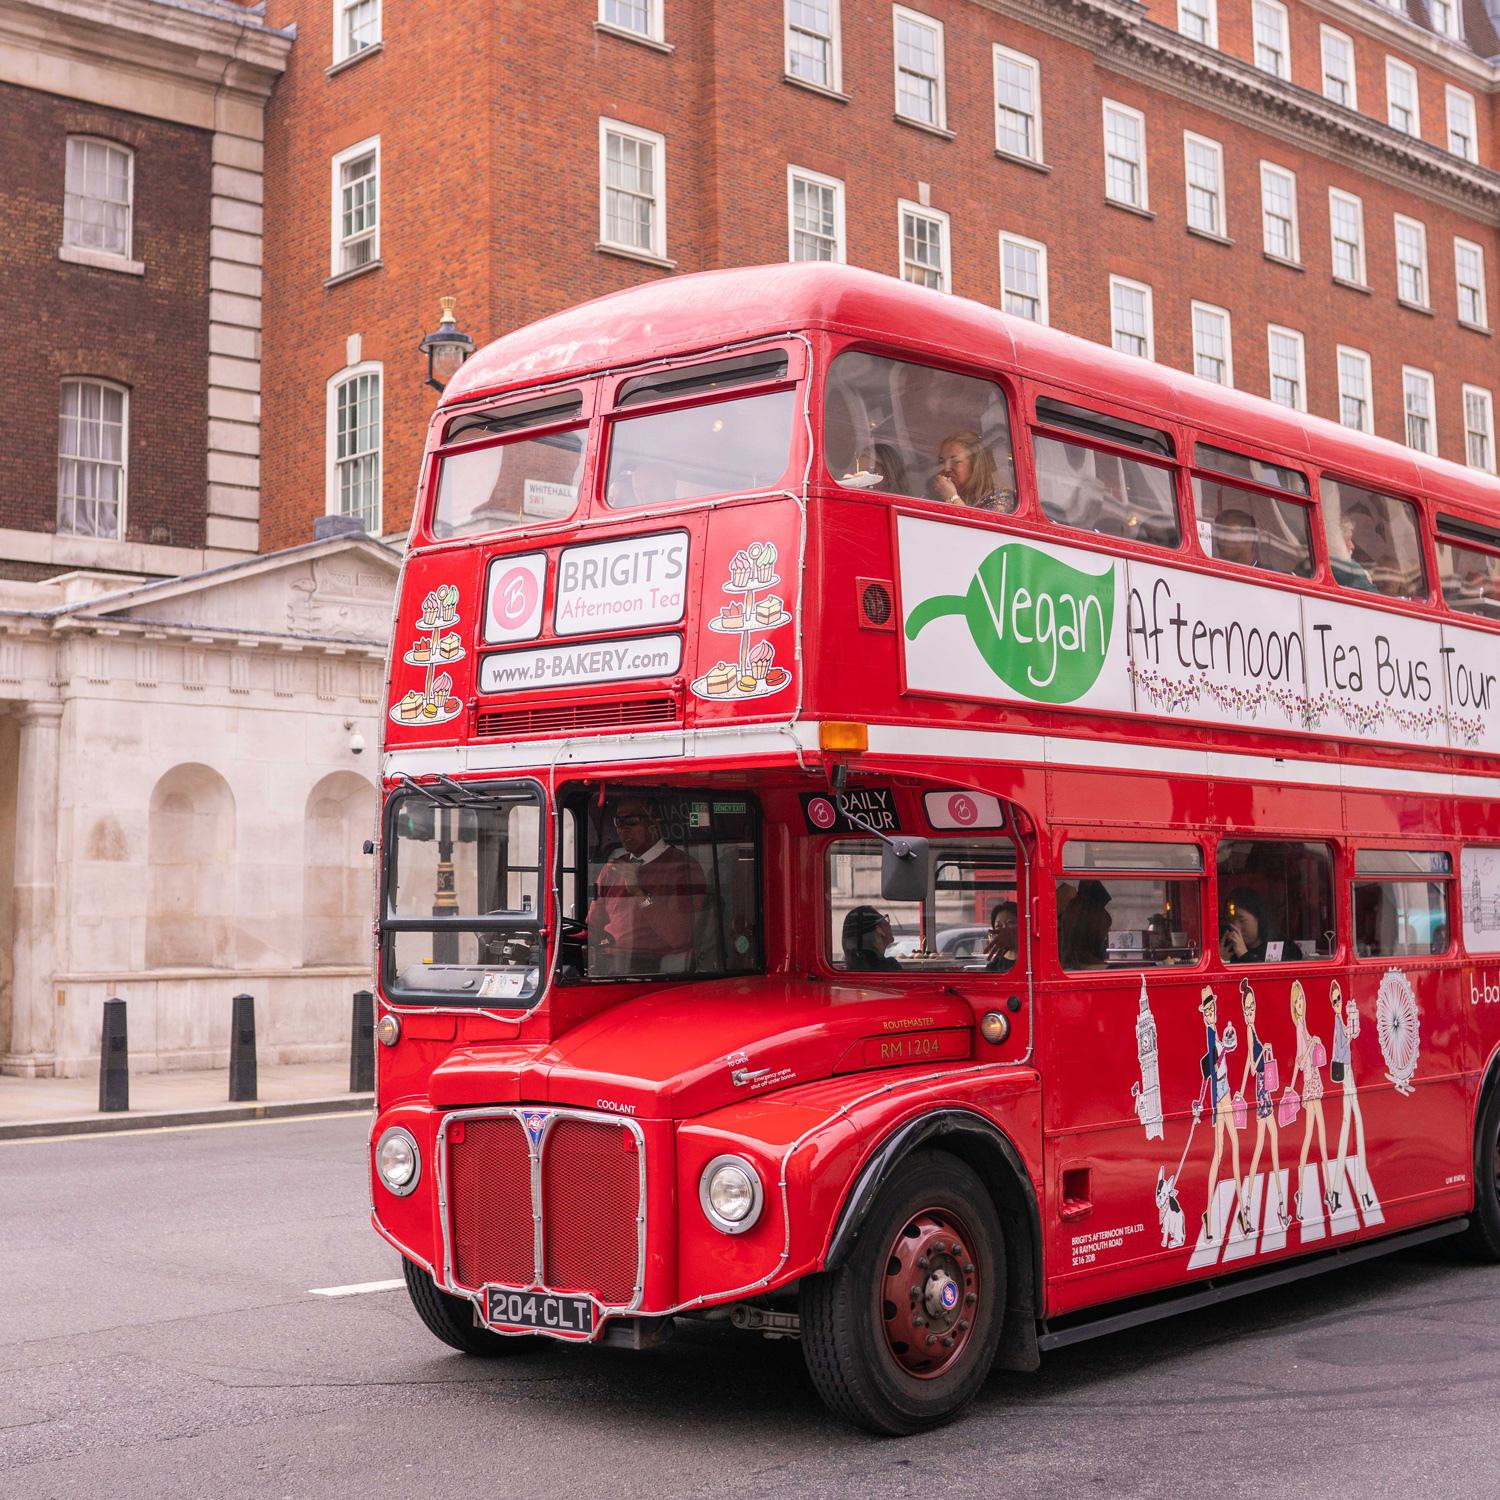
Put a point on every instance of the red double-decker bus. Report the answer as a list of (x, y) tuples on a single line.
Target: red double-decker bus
[(910, 830)]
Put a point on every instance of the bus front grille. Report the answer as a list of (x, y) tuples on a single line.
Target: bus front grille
[(562, 1181)]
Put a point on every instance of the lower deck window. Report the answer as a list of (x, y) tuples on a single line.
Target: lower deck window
[(968, 920), (1401, 914), (1275, 901)]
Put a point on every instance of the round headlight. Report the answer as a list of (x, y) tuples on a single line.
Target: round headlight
[(398, 1161), (730, 1193), (388, 1030)]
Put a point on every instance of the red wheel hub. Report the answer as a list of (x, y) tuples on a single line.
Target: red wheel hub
[(930, 1292)]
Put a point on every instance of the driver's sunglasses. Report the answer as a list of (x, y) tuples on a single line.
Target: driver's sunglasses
[(632, 820)]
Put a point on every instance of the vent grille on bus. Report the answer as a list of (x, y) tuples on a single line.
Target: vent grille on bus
[(568, 718), (877, 606)]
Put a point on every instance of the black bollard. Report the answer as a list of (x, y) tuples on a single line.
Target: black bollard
[(114, 1059), (242, 1050), (362, 1044)]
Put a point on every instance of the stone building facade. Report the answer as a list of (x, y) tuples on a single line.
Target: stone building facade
[(1297, 196), (187, 780)]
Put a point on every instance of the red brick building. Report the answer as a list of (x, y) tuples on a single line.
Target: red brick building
[(130, 223), (1298, 198)]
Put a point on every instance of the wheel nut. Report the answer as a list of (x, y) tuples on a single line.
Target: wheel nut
[(971, 1298), (919, 1322), (931, 1339), (963, 1325), (948, 1342), (968, 1268), (922, 1263)]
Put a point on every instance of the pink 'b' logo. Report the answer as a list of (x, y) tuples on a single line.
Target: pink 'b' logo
[(514, 599), (821, 812), (962, 810)]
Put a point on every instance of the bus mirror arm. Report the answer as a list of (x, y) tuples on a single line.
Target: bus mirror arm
[(905, 861)]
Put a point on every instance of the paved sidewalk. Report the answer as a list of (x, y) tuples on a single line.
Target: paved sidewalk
[(70, 1106)]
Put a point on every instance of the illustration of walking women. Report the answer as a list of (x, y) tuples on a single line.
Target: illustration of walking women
[(1259, 1056), (1215, 1067), (1345, 1029), (1310, 1060)]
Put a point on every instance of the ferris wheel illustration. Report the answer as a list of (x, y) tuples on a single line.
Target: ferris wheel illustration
[(1399, 1027)]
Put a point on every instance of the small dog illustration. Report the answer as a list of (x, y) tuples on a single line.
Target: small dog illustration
[(1169, 1210)]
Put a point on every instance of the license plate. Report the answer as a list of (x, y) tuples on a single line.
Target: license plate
[(540, 1312)]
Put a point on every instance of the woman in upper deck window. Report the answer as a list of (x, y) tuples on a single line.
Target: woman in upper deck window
[(968, 475)]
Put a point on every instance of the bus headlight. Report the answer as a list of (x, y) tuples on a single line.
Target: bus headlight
[(731, 1195), (398, 1161)]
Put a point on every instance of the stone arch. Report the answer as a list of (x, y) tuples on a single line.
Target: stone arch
[(191, 856), (336, 873)]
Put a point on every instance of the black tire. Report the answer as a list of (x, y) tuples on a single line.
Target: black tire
[(1484, 1224), (846, 1313), (452, 1318)]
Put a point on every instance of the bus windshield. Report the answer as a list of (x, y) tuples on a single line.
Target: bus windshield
[(461, 914)]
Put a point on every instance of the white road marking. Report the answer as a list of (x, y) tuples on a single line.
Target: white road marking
[(358, 1289)]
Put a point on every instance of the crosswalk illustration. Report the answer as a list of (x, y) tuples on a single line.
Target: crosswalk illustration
[(1269, 1198)]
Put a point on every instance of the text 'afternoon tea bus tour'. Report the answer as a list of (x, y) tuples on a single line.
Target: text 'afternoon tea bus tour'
[(911, 830)]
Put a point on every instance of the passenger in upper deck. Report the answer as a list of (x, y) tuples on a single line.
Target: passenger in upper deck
[(968, 475), (1236, 538)]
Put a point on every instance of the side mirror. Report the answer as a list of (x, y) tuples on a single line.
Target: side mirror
[(905, 868)]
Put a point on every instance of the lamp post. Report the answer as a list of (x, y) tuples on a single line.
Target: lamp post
[(446, 347)]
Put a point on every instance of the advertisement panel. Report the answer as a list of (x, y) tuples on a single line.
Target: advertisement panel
[(620, 585), (576, 666)]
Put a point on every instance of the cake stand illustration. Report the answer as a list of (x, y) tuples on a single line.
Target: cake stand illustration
[(750, 670), (436, 646)]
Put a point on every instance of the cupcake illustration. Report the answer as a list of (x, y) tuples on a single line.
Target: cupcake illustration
[(760, 660), (739, 570), (448, 603), (765, 563), (431, 609)]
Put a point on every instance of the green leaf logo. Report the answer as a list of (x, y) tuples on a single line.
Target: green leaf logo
[(1043, 627)]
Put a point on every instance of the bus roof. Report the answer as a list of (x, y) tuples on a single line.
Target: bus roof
[(679, 315)]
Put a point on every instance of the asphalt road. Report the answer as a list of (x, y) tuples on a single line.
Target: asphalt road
[(158, 1338)]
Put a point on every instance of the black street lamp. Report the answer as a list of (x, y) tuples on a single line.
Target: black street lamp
[(446, 348)]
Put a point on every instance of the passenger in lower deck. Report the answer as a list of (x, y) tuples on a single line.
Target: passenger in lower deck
[(867, 936)]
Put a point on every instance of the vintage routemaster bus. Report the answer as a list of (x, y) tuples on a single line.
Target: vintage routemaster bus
[(909, 830)]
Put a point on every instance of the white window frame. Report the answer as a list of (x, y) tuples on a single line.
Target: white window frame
[(1487, 404), (1270, 169), (1006, 237), (933, 215), (655, 22), (900, 13), (1115, 331), (658, 247), (1208, 15), (1189, 140), (336, 267), (331, 460), (1409, 375), (1264, 7), (124, 464), (1338, 195), (1400, 74), (1425, 300), (1362, 358), (1272, 332), (1446, 18), (1465, 101), (833, 40), (1459, 246), (78, 247), (1144, 201), (818, 179), (1035, 69), (1216, 312), (1327, 34), (342, 51)]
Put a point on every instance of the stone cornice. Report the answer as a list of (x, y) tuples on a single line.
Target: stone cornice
[(1125, 42), (1397, 29), (192, 55)]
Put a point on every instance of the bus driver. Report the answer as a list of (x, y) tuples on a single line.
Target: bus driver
[(642, 921)]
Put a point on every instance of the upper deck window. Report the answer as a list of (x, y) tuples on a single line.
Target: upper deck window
[(909, 429), (1374, 541), (687, 452), (509, 483), (1470, 575), (1249, 527), (1104, 492)]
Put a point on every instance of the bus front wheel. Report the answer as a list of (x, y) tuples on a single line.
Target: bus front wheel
[(452, 1318), (901, 1336), (1484, 1226)]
